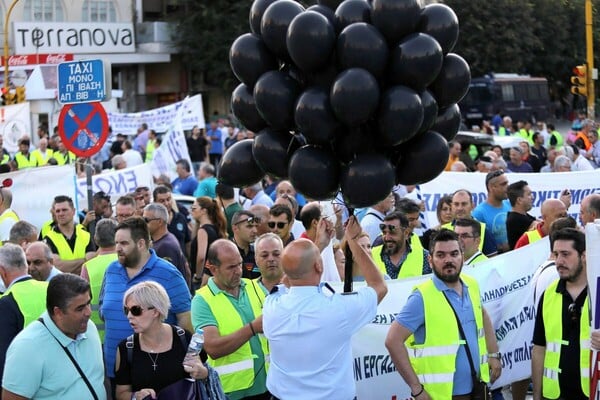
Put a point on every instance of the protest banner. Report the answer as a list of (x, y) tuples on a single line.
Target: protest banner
[(543, 186), (190, 111), (34, 189), (507, 295), (116, 183), (172, 149)]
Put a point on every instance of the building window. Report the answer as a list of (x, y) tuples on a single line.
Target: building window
[(43, 11), (99, 11)]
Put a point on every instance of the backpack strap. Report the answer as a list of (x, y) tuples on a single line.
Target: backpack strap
[(129, 346)]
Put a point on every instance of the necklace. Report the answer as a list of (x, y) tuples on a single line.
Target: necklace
[(154, 360)]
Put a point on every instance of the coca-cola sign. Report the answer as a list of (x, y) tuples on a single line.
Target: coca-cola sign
[(35, 59)]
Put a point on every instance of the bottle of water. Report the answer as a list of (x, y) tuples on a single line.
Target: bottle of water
[(195, 346)]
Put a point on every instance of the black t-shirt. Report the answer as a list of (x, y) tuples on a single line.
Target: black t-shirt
[(169, 367), (179, 227), (541, 153), (197, 148), (212, 235), (516, 225), (569, 379), (249, 268)]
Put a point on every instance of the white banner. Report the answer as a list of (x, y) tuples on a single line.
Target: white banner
[(160, 119), (115, 183), (15, 122), (543, 185), (507, 295), (34, 190), (592, 253)]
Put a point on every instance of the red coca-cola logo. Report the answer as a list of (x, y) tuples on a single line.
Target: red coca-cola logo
[(58, 58), (18, 60)]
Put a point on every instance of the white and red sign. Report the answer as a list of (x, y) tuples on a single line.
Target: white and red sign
[(36, 59)]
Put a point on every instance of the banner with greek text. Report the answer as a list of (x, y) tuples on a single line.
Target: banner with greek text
[(173, 148), (160, 119), (543, 186), (34, 189), (507, 295), (115, 183)]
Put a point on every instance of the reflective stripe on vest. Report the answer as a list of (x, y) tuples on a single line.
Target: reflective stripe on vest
[(236, 370), (412, 265), (450, 226), (552, 316), (434, 361), (64, 250), (96, 267), (533, 236), (25, 162), (30, 296)]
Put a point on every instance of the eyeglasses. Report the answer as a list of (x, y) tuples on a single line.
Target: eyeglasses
[(466, 236), (148, 220), (280, 225), (136, 311), (492, 175), (250, 220), (36, 262), (390, 228)]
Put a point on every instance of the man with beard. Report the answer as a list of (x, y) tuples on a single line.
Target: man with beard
[(268, 249), (137, 263), (440, 349), (396, 257), (561, 347), (244, 234), (518, 221), (229, 309), (36, 364)]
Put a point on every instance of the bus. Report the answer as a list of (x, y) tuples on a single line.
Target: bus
[(521, 97)]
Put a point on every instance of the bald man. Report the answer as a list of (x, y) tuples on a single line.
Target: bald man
[(309, 329), (261, 211), (589, 210), (551, 209)]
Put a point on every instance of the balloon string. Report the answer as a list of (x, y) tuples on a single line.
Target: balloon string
[(349, 262)]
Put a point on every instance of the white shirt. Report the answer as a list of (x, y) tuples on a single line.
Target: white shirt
[(581, 164), (370, 223), (309, 337), (297, 229), (132, 158)]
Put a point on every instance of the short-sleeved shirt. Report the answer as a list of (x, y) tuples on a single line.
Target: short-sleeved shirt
[(412, 317), (115, 284), (216, 144), (167, 248), (49, 374), (185, 186), (178, 226), (207, 187), (202, 316), (309, 337), (569, 379), (495, 219), (516, 225)]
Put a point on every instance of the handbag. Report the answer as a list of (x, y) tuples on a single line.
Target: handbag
[(184, 389), (480, 389)]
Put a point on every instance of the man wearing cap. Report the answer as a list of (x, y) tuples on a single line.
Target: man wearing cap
[(243, 224), (23, 157)]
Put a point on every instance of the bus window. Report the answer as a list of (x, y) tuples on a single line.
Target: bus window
[(533, 92), (508, 92)]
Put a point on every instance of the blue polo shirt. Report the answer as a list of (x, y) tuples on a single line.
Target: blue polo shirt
[(412, 317), (216, 146), (38, 368), (115, 284)]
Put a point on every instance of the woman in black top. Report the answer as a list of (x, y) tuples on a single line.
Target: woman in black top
[(158, 349), (212, 225)]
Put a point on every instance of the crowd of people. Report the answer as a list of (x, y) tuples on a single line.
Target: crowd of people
[(251, 269)]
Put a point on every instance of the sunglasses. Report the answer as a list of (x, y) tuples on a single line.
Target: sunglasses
[(249, 220), (389, 227), (148, 220), (280, 225), (136, 311)]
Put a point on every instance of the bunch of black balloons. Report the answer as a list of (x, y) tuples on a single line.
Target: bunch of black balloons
[(351, 95)]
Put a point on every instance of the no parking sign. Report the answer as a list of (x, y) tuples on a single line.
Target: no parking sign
[(83, 128)]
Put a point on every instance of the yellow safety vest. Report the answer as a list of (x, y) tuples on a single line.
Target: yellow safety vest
[(434, 361), (559, 139), (502, 131), (481, 257), (61, 159), (236, 370), (526, 135), (30, 296), (42, 159), (64, 250), (533, 236), (412, 265), (450, 227), (9, 214), (96, 267), (5, 159), (25, 162), (46, 228), (150, 147), (551, 313)]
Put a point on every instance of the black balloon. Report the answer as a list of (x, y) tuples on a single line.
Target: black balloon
[(430, 110), (244, 108), (354, 96), (400, 115), (249, 58), (333, 4), (367, 180), (256, 12), (422, 159), (452, 82), (447, 123), (325, 11), (440, 21), (416, 61), (323, 78), (314, 172), (360, 45), (350, 142), (314, 116), (270, 151), (310, 40), (275, 23), (275, 95), (351, 11), (395, 18), (238, 167)]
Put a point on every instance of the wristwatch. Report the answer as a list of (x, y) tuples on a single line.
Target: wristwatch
[(497, 355)]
